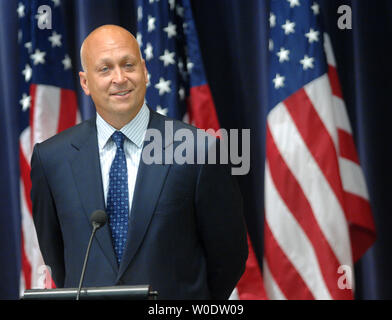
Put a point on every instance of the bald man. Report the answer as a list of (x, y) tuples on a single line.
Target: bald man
[(176, 227)]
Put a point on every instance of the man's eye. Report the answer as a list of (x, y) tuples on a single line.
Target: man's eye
[(129, 65), (104, 69)]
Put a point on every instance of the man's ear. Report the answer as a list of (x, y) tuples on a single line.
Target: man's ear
[(84, 82), (145, 71)]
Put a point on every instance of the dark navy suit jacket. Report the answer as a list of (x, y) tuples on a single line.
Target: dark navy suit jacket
[(186, 235)]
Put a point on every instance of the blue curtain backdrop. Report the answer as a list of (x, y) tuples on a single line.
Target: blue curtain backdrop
[(234, 44)]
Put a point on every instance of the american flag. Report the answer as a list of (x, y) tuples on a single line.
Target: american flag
[(318, 220), (177, 83), (178, 86), (48, 105)]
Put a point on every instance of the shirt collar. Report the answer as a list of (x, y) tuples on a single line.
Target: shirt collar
[(134, 130)]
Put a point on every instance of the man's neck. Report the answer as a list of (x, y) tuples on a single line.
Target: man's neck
[(118, 121)]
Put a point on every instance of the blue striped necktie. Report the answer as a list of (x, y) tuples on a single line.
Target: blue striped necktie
[(117, 206)]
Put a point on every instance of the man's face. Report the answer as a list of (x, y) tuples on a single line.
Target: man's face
[(115, 75)]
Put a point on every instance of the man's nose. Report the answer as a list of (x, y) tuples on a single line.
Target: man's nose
[(118, 76)]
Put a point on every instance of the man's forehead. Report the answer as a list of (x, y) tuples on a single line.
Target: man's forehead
[(110, 43), (113, 51), (110, 56), (109, 32), (107, 42)]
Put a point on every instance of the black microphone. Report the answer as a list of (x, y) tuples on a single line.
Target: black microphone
[(98, 219)]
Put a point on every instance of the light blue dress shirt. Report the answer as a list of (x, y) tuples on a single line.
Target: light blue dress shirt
[(134, 132)]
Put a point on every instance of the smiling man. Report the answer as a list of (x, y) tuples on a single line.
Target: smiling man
[(114, 75), (176, 227)]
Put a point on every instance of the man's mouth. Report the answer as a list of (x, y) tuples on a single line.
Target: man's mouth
[(121, 93)]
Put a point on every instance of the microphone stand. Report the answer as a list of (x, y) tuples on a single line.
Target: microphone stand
[(96, 226)]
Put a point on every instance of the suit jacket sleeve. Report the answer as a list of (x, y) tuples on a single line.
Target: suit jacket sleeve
[(222, 228), (45, 219)]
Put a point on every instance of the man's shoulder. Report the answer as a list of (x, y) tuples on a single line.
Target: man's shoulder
[(177, 124), (165, 123), (69, 135), (177, 132)]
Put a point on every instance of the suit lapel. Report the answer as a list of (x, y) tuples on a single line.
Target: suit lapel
[(86, 169), (149, 182)]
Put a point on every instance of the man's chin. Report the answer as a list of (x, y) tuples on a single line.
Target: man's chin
[(124, 109)]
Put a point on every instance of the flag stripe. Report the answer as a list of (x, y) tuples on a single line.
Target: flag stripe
[(347, 146), (31, 247), (201, 109), (46, 112), (358, 204), (270, 284), (250, 286), (32, 91), (299, 207), (285, 275), (342, 121), (26, 266), (311, 271), (68, 110), (316, 137), (317, 95), (328, 50), (320, 196), (362, 229), (352, 178), (334, 81), (25, 176)]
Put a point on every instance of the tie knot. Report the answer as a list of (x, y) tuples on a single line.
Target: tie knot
[(118, 138)]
